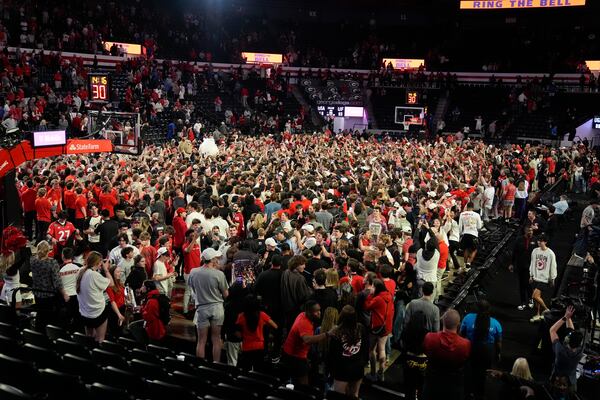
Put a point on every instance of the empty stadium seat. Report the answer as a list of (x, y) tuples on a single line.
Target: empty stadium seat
[(36, 338), (99, 391), (114, 347), (64, 346), (56, 332), (107, 358), (160, 390), (10, 346), (41, 356), (87, 369), (162, 352), (122, 379), (8, 330), (85, 340), (130, 343), (8, 392), (145, 356), (200, 387), (17, 372), (61, 386), (147, 369)]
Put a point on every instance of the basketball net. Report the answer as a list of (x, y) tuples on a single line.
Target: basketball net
[(406, 125)]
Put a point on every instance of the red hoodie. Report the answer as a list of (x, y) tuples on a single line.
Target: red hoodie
[(151, 313), (382, 311)]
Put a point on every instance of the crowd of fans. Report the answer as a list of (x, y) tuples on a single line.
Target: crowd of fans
[(340, 252)]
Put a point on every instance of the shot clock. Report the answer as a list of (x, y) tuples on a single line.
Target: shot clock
[(99, 87)]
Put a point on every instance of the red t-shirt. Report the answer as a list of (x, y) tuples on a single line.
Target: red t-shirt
[(28, 199), (43, 209), (509, 192), (253, 340), (118, 296), (80, 203), (294, 345), (70, 199), (107, 202), (191, 260), (446, 349)]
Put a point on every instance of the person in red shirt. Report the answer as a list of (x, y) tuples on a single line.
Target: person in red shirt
[(191, 260), (250, 326), (70, 197), (148, 252), (447, 354), (80, 208), (508, 198), (381, 305), (238, 220), (354, 277), (108, 200), (298, 342), (28, 197), (116, 296), (59, 232), (55, 197), (43, 210)]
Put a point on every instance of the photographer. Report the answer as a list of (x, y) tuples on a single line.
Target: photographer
[(568, 353)]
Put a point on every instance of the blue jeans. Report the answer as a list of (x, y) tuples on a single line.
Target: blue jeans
[(398, 321)]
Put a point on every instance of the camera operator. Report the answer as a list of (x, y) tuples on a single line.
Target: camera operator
[(568, 353)]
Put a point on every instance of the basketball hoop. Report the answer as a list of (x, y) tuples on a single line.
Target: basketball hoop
[(406, 125)]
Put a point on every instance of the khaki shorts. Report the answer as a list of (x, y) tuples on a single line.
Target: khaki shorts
[(210, 315)]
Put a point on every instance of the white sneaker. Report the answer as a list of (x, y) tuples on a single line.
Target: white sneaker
[(521, 307), (530, 304), (536, 318)]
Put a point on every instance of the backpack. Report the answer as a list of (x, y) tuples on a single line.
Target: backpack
[(164, 305)]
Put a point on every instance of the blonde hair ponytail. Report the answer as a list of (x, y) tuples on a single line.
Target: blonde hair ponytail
[(92, 259)]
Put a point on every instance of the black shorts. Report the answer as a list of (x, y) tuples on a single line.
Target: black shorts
[(294, 366), (469, 242), (541, 286), (93, 323)]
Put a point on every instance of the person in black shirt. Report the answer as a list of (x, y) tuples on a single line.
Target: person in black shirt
[(325, 296), (107, 230), (524, 245), (268, 287)]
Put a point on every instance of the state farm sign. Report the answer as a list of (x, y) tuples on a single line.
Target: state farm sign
[(76, 146)]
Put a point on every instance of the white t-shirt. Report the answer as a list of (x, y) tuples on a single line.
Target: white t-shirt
[(161, 269), (469, 223), (91, 294), (94, 222), (192, 216), (68, 276)]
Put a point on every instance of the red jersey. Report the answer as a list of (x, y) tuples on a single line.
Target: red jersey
[(43, 209), (253, 340), (294, 345), (61, 232), (70, 199)]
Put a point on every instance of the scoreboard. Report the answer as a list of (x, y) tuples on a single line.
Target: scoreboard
[(99, 87), (333, 110), (412, 97)]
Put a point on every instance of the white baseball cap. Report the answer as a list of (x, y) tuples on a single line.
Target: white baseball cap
[(270, 242), (210, 253), (310, 243), (161, 252), (308, 227)]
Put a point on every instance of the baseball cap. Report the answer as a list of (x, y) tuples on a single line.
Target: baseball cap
[(210, 253), (310, 243), (270, 242), (401, 212), (161, 252), (308, 227), (180, 210), (407, 229)]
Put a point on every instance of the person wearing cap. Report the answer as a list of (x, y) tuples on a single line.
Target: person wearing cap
[(160, 274), (542, 273), (59, 233), (210, 289)]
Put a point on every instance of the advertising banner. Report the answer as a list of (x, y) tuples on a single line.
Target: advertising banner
[(404, 63), (6, 164), (518, 4), (262, 58), (79, 146)]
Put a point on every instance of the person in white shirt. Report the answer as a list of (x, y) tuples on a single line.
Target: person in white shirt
[(542, 273), (488, 201), (193, 214), (90, 287), (451, 228), (164, 283), (588, 214), (561, 206), (469, 224), (115, 255)]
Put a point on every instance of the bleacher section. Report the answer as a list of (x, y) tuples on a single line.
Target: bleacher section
[(71, 366), (490, 103)]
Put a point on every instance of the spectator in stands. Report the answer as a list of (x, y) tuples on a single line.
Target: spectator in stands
[(251, 324), (68, 276), (348, 353), (294, 290), (521, 261), (91, 285), (160, 272), (562, 205), (116, 297), (381, 306), (447, 354), (43, 211), (542, 272), (191, 260), (154, 327), (515, 381), (485, 335), (569, 352), (210, 291), (424, 305), (299, 339), (47, 285)]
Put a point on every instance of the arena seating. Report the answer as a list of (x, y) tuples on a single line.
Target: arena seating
[(33, 363)]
